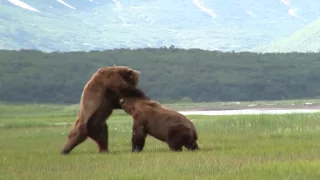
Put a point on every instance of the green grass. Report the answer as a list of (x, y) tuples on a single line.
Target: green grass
[(232, 147)]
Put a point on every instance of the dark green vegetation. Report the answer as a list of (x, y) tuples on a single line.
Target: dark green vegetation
[(233, 147), (166, 74), (89, 25)]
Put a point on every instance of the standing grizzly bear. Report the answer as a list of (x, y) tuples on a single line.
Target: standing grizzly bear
[(98, 100), (149, 117)]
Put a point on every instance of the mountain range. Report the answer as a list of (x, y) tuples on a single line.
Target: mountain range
[(227, 25)]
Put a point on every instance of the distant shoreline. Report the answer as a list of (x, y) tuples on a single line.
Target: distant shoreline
[(247, 107), (294, 104)]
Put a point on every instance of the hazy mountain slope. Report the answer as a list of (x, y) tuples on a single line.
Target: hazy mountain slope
[(305, 40), (92, 24)]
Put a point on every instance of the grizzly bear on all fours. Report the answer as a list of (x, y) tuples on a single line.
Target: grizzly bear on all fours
[(98, 100), (169, 126)]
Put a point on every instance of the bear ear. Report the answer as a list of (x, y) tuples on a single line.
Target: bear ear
[(130, 72)]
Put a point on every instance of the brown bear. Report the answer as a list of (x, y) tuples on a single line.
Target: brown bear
[(98, 99), (166, 125)]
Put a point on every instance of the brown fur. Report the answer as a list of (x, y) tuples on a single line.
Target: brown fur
[(99, 98), (169, 126)]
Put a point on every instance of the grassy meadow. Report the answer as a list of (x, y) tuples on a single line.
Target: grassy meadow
[(232, 147)]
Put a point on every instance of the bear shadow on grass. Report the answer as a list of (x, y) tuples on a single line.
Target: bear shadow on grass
[(154, 150), (165, 150)]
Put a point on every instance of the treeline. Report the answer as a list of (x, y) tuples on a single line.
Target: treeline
[(166, 74)]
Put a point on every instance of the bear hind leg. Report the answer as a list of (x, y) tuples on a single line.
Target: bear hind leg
[(175, 144), (98, 128), (192, 146), (99, 134), (176, 137), (76, 136)]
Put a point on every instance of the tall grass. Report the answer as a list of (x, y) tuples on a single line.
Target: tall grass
[(232, 147)]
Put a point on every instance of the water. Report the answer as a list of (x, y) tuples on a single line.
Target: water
[(250, 111), (234, 112)]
